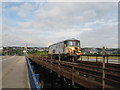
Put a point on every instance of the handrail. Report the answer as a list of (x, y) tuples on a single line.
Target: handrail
[(33, 81)]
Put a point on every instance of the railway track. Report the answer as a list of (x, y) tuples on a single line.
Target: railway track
[(85, 73)]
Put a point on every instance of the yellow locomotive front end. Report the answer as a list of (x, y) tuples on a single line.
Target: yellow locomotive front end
[(73, 47)]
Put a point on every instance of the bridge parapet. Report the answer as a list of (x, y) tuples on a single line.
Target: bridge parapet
[(85, 73), (32, 76)]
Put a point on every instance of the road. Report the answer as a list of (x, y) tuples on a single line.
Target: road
[(14, 72)]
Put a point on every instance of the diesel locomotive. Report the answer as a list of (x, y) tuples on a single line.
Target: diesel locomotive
[(68, 48)]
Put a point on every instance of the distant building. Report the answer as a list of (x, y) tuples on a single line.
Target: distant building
[(1, 48), (37, 48), (13, 50), (109, 52), (99, 51), (43, 49), (93, 51), (86, 51), (90, 51)]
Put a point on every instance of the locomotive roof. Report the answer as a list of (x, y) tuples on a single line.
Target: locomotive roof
[(72, 39)]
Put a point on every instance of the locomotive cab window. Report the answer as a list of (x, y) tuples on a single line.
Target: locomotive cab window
[(77, 43), (73, 43), (70, 43)]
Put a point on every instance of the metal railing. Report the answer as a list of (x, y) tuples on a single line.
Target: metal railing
[(32, 77)]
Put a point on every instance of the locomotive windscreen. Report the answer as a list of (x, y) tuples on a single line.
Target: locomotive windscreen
[(73, 43)]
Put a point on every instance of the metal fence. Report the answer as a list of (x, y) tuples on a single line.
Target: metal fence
[(33, 78)]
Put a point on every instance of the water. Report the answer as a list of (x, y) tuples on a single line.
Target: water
[(114, 61)]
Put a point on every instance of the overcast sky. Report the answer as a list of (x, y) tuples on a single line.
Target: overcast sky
[(44, 23)]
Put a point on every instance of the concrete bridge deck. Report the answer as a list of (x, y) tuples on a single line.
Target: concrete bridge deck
[(14, 72)]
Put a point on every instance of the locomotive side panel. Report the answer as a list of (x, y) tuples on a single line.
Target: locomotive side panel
[(69, 47), (57, 48)]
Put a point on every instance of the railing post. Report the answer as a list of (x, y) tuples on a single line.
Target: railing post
[(73, 71), (96, 58), (59, 66), (103, 69), (107, 58), (81, 57), (51, 63), (88, 58), (118, 59), (46, 61)]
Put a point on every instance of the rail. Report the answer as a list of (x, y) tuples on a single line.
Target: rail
[(32, 77)]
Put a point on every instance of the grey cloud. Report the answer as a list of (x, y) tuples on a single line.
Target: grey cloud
[(53, 22)]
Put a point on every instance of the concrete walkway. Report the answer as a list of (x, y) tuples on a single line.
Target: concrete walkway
[(14, 73)]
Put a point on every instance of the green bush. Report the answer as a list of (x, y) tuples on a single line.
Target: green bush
[(40, 53)]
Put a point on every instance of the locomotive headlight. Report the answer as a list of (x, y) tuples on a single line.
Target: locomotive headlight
[(79, 51)]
